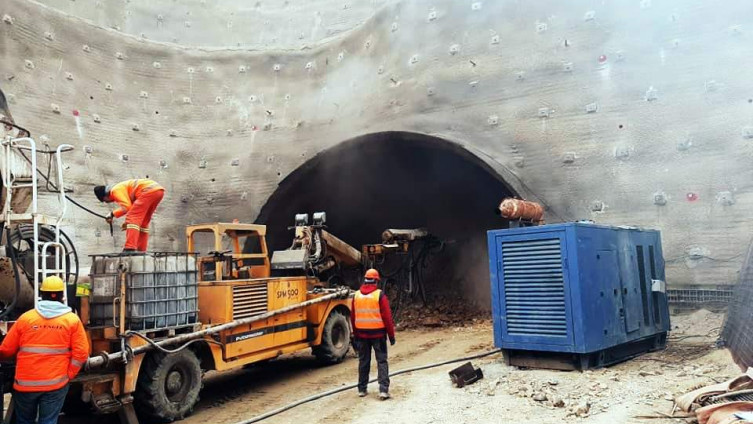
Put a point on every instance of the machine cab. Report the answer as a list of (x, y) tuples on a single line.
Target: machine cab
[(229, 251)]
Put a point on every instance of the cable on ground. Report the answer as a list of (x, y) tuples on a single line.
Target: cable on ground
[(317, 396)]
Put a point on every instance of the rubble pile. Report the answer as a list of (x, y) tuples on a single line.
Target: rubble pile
[(579, 395), (648, 383), (439, 312)]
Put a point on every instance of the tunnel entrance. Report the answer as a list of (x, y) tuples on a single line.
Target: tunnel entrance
[(400, 180)]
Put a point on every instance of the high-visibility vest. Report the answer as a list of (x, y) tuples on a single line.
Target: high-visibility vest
[(50, 352), (126, 192), (367, 314)]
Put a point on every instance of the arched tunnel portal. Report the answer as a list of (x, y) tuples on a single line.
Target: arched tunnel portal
[(400, 180)]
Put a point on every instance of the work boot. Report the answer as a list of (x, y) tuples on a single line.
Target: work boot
[(384, 395), (362, 394), (128, 252)]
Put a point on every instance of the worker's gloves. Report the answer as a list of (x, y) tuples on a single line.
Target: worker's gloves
[(392, 341), (108, 218), (123, 226)]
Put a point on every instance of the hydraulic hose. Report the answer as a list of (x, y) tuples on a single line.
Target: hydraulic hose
[(165, 350), (104, 358), (50, 184), (312, 398)]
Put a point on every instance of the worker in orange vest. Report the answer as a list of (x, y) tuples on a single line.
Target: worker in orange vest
[(50, 345), (372, 326), (138, 199)]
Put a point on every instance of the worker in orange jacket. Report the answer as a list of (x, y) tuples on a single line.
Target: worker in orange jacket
[(372, 324), (138, 199), (50, 346)]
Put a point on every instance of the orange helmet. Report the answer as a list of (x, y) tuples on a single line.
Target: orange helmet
[(372, 276)]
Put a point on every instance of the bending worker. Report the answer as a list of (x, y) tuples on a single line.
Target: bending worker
[(372, 325), (138, 199), (50, 345)]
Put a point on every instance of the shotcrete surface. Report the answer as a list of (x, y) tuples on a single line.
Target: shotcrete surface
[(626, 112)]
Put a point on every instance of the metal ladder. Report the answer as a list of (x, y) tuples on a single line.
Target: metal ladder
[(41, 251)]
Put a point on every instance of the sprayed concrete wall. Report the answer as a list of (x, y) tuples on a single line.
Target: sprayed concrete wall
[(250, 24), (627, 112)]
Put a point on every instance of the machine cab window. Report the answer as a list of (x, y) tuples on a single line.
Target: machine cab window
[(229, 251)]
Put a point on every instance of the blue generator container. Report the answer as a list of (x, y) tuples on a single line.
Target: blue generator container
[(577, 295)]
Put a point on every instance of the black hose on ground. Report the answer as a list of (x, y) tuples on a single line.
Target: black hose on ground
[(317, 396)]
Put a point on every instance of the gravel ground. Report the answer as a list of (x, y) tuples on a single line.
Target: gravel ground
[(624, 393)]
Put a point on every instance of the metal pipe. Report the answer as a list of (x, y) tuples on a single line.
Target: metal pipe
[(121, 327), (58, 248), (98, 361), (7, 177), (34, 217), (392, 234), (60, 266), (520, 209), (33, 148)]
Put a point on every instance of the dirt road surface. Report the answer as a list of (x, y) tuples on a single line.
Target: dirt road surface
[(625, 393)]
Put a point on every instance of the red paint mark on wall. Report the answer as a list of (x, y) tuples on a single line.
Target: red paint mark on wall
[(692, 197), (75, 112)]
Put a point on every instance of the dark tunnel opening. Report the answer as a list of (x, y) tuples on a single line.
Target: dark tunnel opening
[(400, 180)]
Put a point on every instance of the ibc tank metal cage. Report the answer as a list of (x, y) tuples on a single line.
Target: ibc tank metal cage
[(161, 290)]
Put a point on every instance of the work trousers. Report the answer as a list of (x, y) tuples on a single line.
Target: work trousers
[(138, 218), (364, 363), (26, 406)]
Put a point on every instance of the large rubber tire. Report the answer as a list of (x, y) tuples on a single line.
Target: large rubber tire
[(335, 339), (168, 386)]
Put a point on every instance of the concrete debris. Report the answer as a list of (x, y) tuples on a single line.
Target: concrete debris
[(539, 397), (582, 409), (492, 389)]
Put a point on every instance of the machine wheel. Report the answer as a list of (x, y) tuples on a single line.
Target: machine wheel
[(168, 386), (335, 339)]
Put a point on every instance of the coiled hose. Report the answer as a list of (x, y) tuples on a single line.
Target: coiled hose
[(317, 396), (25, 233)]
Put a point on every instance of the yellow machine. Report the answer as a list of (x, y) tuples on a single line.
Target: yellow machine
[(244, 316), (157, 320), (244, 289)]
